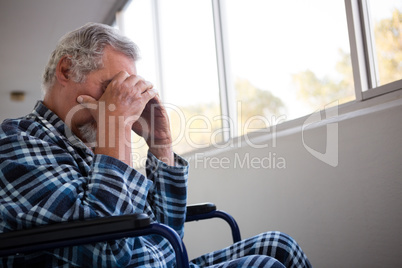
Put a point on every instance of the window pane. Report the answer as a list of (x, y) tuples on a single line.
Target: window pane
[(288, 58), (386, 16), (138, 26), (190, 83)]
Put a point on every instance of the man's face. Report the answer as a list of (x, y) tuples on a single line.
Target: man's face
[(96, 83)]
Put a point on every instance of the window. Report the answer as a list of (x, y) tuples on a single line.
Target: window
[(136, 22), (190, 78), (386, 26), (374, 31), (287, 62), (227, 68)]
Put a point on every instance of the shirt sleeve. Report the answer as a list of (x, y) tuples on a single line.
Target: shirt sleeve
[(168, 194)]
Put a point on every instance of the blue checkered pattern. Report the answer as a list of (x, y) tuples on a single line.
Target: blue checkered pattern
[(48, 175), (271, 249)]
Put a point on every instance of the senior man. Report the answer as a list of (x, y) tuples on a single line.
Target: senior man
[(71, 159)]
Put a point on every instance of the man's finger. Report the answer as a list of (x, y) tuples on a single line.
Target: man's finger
[(86, 100), (133, 79), (150, 93), (120, 77), (148, 85)]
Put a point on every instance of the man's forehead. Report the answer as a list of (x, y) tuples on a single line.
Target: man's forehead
[(111, 55)]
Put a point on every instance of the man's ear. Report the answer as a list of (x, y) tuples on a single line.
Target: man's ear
[(63, 67)]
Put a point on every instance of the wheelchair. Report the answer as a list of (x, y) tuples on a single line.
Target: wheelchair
[(100, 229)]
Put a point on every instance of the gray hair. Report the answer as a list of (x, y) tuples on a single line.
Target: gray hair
[(84, 47)]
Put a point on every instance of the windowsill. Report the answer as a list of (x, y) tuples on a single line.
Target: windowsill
[(381, 90), (344, 112)]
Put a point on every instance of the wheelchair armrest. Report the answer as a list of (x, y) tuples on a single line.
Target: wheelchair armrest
[(204, 211), (67, 233), (89, 231), (198, 209)]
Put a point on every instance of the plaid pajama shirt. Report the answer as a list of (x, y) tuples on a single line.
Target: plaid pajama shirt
[(48, 175)]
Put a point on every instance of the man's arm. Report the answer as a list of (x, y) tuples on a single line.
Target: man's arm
[(154, 127), (168, 194), (169, 172)]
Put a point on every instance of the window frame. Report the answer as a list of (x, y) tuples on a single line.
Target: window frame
[(362, 50), (227, 96)]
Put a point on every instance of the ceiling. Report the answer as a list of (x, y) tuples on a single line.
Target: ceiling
[(29, 31)]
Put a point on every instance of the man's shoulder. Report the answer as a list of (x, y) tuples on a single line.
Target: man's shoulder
[(24, 125)]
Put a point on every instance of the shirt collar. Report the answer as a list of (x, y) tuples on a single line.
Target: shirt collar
[(55, 124)]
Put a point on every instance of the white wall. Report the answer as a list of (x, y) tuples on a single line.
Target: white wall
[(14, 109), (344, 216)]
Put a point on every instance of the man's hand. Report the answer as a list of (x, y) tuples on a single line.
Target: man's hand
[(154, 127), (115, 112)]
